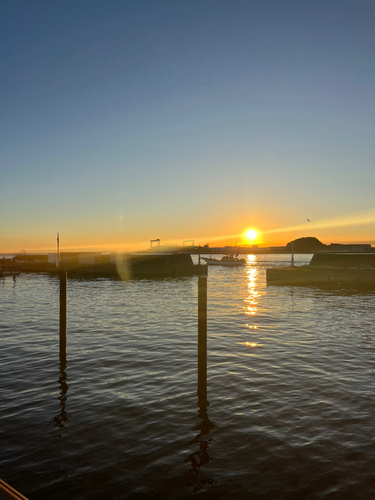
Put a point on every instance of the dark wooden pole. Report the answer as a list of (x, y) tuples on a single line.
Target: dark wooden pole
[(202, 341), (9, 493), (63, 317)]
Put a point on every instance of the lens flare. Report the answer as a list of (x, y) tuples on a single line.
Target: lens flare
[(123, 267)]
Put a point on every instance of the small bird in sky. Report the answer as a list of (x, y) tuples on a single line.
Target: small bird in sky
[(308, 220)]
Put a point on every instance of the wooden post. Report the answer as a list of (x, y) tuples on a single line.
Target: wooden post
[(63, 317), (202, 341), (58, 251), (292, 254), (9, 493)]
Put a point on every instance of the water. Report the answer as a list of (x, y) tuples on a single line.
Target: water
[(291, 389)]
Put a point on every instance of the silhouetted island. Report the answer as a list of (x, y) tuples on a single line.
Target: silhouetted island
[(309, 244)]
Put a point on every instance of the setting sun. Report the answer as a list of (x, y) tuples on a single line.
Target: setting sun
[(251, 234)]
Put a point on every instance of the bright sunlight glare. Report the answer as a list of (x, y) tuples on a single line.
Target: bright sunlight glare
[(251, 234)]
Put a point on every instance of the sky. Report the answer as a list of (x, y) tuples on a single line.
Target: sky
[(126, 121)]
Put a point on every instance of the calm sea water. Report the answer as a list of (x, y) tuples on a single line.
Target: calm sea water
[(291, 389)]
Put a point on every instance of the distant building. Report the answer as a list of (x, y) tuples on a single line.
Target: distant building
[(277, 249), (24, 257), (339, 247), (80, 258)]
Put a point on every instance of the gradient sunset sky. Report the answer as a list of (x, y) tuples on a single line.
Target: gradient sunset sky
[(125, 121)]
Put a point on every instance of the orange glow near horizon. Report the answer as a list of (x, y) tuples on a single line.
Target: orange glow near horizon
[(103, 239)]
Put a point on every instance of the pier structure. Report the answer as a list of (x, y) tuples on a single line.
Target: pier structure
[(201, 339), (126, 267), (7, 492)]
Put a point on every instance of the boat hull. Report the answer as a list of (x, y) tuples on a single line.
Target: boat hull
[(215, 262)]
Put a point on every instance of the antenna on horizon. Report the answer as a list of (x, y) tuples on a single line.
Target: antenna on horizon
[(155, 241)]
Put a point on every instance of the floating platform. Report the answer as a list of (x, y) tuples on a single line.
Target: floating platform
[(345, 270)]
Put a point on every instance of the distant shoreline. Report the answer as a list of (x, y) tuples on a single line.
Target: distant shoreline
[(205, 251)]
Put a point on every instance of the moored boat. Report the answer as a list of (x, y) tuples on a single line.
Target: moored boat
[(226, 260)]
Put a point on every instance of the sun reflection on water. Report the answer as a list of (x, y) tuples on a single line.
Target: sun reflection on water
[(251, 300)]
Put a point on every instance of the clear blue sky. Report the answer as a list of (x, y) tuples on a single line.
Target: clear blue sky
[(127, 121)]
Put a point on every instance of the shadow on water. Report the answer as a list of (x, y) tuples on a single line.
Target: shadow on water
[(62, 417)]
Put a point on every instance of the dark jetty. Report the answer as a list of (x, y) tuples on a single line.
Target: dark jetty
[(162, 264), (349, 270), (145, 265)]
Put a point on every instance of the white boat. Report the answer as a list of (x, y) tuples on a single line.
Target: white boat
[(226, 260)]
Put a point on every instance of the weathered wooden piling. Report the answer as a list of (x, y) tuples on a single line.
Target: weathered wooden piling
[(292, 254), (202, 341), (9, 493), (63, 295)]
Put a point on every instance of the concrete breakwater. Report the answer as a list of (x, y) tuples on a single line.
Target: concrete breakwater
[(348, 270), (123, 266)]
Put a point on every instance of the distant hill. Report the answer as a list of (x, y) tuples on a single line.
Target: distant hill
[(309, 244)]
